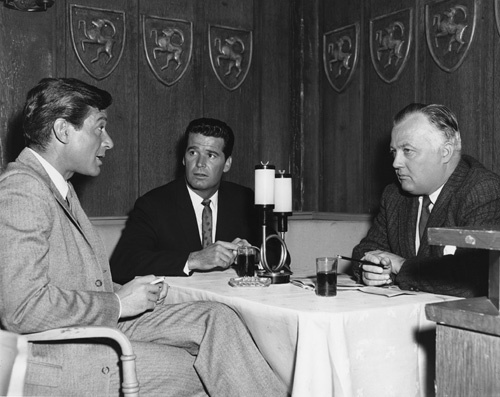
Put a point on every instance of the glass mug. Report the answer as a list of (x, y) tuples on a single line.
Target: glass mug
[(247, 260)]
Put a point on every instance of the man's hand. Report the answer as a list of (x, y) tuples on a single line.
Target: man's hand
[(140, 295), (375, 275), (220, 254)]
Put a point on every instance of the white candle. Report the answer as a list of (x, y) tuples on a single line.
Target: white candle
[(283, 192), (264, 184)]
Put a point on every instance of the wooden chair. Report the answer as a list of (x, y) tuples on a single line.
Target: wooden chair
[(130, 385), (13, 363)]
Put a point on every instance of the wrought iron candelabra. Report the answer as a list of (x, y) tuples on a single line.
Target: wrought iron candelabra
[(273, 197)]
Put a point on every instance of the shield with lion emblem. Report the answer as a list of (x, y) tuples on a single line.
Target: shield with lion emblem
[(391, 36), (168, 44), (449, 29), (230, 54), (340, 55), (98, 38)]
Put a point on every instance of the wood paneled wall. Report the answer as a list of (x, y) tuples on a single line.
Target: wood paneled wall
[(356, 123), (286, 110)]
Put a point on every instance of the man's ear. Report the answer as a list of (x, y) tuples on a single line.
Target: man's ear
[(447, 151), (227, 165), (60, 129)]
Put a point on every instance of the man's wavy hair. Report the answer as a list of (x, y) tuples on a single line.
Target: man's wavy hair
[(214, 128), (438, 115), (65, 98)]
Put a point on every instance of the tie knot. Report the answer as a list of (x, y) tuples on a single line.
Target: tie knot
[(426, 202), (206, 202)]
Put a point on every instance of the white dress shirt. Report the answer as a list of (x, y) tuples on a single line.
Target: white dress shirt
[(449, 249), (198, 210)]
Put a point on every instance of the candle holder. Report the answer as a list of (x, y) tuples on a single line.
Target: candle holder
[(265, 195)]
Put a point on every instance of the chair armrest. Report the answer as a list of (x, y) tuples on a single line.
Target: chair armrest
[(130, 385)]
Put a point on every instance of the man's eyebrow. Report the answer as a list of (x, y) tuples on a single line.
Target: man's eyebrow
[(215, 151)]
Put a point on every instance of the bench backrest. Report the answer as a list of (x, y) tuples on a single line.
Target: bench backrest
[(309, 235)]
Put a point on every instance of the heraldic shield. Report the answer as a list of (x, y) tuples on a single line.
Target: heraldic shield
[(449, 29), (340, 55), (230, 54), (98, 38), (497, 14), (391, 36), (168, 44)]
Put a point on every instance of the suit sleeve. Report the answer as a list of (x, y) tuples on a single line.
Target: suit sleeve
[(464, 274), (377, 237), (142, 251), (30, 301)]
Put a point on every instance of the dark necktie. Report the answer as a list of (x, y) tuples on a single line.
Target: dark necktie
[(424, 216), (206, 223)]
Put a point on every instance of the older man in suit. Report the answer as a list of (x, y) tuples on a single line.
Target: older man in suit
[(438, 187), (164, 233), (55, 273)]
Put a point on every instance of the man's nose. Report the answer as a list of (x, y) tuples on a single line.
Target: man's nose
[(397, 163), (202, 161), (107, 141)]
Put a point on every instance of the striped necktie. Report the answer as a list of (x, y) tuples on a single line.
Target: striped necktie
[(206, 223)]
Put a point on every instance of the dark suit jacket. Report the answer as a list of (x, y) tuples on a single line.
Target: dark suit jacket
[(161, 230), (470, 197)]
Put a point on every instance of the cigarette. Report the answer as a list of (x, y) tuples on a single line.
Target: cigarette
[(362, 261), (158, 280)]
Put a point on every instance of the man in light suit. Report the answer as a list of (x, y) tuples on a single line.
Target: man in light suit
[(55, 273), (426, 147), (163, 234)]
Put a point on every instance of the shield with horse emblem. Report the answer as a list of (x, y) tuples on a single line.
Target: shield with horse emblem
[(449, 29), (168, 44), (98, 38), (497, 14), (391, 36), (230, 54), (340, 55)]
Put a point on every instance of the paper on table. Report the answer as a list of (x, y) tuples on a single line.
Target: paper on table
[(386, 291)]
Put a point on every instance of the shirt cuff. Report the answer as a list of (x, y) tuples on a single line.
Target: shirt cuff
[(186, 269), (120, 302)]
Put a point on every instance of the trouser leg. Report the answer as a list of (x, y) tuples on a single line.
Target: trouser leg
[(228, 362)]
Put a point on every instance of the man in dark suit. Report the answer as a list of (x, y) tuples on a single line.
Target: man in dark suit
[(55, 273), (438, 187), (163, 234)]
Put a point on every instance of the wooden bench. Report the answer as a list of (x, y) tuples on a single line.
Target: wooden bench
[(310, 234)]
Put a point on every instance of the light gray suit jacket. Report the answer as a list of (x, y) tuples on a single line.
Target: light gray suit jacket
[(48, 263), (54, 272)]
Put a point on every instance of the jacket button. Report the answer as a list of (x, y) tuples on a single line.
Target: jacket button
[(98, 283), (105, 370)]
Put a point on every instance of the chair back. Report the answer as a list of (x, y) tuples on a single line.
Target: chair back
[(13, 363)]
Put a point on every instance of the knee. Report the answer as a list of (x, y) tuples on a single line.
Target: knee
[(221, 311)]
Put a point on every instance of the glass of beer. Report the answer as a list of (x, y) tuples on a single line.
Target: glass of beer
[(326, 276), (246, 261)]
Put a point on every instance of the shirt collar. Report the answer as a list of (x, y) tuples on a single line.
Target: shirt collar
[(434, 196), (197, 199), (54, 175)]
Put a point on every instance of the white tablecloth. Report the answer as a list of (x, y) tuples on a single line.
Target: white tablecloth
[(354, 344)]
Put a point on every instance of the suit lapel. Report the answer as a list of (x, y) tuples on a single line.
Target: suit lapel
[(224, 207), (407, 224), (187, 215), (28, 159), (437, 217)]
